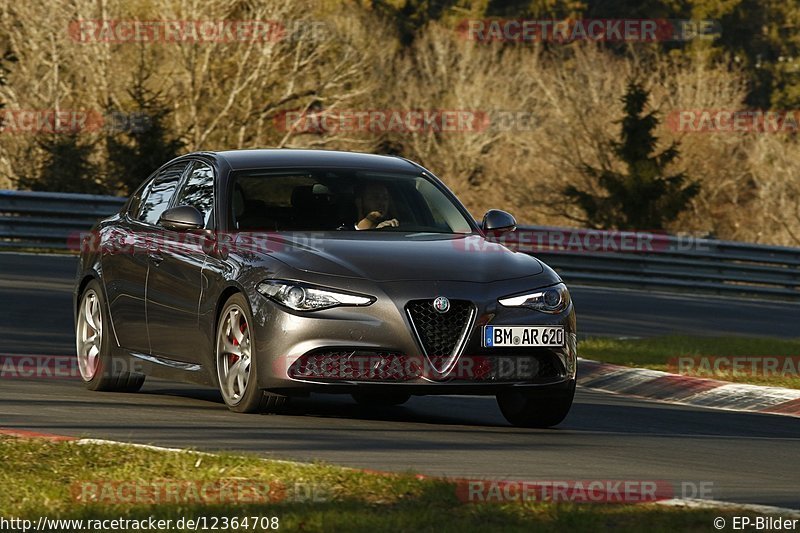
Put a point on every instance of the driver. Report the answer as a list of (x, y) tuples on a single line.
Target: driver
[(373, 208)]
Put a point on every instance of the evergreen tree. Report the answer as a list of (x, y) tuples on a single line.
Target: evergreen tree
[(146, 143), (644, 197), (67, 167)]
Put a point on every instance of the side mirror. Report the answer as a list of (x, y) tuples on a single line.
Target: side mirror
[(498, 221), (182, 218)]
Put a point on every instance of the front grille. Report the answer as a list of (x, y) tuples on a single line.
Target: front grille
[(440, 333)]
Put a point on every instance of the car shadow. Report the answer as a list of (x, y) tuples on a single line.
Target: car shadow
[(593, 411)]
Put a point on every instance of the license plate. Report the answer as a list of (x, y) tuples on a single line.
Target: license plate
[(522, 336)]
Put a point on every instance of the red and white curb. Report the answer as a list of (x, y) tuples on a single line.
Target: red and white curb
[(688, 390), (717, 505), (25, 434)]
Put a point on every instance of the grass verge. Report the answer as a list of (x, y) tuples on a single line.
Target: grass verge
[(40, 479), (656, 352)]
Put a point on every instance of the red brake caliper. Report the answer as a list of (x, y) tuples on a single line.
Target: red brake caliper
[(232, 358)]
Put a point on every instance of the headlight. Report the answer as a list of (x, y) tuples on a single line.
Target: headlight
[(303, 297), (551, 300)]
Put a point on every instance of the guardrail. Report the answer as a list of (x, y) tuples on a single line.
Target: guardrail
[(661, 261), (46, 220), (609, 258)]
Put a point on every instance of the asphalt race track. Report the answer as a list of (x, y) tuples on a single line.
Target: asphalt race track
[(747, 457)]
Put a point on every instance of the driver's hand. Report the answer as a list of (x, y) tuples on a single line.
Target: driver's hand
[(393, 223), (370, 221)]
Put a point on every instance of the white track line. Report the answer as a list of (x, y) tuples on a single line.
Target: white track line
[(174, 450)]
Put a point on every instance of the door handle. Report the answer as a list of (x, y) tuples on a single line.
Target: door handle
[(156, 258)]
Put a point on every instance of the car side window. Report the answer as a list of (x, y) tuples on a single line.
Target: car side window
[(158, 195), (135, 201), (198, 191)]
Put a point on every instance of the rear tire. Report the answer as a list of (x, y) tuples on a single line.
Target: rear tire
[(537, 408), (236, 361), (99, 370), (371, 399)]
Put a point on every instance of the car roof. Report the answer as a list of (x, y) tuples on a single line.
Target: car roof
[(287, 158)]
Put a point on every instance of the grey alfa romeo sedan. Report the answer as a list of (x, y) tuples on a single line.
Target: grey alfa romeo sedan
[(276, 273)]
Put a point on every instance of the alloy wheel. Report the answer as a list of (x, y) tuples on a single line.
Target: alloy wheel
[(90, 335), (234, 355)]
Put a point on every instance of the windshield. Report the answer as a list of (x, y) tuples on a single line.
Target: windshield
[(343, 200)]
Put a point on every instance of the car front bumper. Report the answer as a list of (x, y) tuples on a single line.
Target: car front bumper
[(382, 350)]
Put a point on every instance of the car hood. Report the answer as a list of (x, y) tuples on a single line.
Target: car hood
[(401, 256)]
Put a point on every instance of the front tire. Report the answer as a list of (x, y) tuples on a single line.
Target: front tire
[(537, 408), (98, 368), (236, 361)]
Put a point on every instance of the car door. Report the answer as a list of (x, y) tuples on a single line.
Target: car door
[(174, 283), (126, 259)]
